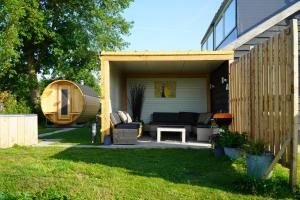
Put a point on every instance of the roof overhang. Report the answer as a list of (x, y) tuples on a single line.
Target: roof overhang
[(167, 56), (167, 62)]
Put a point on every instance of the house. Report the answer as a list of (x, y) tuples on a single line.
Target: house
[(252, 22), (235, 19), (194, 76)]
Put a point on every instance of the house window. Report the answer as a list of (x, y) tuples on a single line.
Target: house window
[(219, 33), (210, 42), (226, 23), (204, 46), (230, 19)]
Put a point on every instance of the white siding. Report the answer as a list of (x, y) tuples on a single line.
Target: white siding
[(191, 96), (115, 89)]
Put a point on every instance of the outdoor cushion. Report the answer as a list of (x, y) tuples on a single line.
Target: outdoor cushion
[(188, 117), (115, 119), (164, 117), (123, 116), (129, 119), (204, 118), (128, 126)]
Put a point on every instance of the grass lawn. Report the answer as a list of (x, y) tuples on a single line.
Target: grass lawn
[(42, 129), (77, 136), (125, 174)]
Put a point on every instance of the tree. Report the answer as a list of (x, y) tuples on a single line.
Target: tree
[(57, 37)]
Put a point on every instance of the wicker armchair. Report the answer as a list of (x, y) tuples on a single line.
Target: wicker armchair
[(122, 132)]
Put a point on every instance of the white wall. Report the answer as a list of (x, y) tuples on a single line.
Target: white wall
[(191, 96), (115, 89)]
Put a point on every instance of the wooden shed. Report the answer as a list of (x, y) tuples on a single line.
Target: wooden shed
[(65, 102), (191, 73)]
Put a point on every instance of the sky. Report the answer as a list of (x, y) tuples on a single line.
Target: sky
[(169, 25)]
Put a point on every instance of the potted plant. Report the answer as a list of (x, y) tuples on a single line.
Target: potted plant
[(258, 159), (136, 100), (214, 139), (232, 143)]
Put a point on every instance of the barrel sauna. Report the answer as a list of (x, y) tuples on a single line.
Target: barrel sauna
[(64, 102)]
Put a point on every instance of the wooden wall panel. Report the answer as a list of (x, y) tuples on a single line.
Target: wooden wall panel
[(18, 129)]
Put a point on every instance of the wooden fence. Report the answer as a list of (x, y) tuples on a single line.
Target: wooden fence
[(18, 129), (264, 96)]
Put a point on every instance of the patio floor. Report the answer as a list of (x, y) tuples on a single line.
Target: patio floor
[(144, 142)]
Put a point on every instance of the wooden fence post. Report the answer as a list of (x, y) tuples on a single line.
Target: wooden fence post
[(295, 96)]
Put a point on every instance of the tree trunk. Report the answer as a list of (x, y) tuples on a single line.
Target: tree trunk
[(32, 71)]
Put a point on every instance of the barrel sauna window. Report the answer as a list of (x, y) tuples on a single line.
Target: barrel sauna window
[(64, 102)]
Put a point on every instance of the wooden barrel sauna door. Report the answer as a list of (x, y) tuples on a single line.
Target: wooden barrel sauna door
[(64, 102)]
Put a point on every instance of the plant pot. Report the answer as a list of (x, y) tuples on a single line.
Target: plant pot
[(219, 151), (232, 153), (107, 140), (258, 165)]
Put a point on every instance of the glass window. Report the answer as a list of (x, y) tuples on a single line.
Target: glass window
[(204, 46), (219, 32), (64, 102), (230, 20), (210, 42)]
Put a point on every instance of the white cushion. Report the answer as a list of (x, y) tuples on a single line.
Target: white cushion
[(123, 116), (129, 120)]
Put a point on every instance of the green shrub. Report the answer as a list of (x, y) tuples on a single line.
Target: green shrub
[(10, 105), (232, 139), (275, 187), (255, 148)]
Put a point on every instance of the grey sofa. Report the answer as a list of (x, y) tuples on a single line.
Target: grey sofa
[(190, 120)]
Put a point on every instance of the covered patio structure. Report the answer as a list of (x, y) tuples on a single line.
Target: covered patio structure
[(199, 81)]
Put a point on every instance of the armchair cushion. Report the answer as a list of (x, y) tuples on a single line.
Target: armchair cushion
[(128, 126), (115, 119), (204, 118), (123, 116), (129, 119)]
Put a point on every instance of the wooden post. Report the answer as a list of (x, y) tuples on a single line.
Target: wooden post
[(105, 99), (295, 96)]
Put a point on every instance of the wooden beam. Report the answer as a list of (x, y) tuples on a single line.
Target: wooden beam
[(168, 56), (277, 157), (167, 75), (105, 99), (295, 109)]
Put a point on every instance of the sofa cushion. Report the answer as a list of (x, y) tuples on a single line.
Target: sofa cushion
[(164, 117), (128, 126), (188, 117), (115, 119), (204, 118), (123, 116)]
